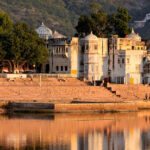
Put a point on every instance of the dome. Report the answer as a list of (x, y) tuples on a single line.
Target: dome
[(43, 31), (134, 36), (91, 36), (57, 35)]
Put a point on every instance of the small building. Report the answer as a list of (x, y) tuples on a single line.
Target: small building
[(94, 62), (58, 60), (146, 69), (126, 59)]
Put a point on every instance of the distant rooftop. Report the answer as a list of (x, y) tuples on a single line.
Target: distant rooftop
[(44, 32), (134, 36), (57, 35), (91, 36)]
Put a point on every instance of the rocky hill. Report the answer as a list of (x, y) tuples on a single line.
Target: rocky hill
[(62, 15)]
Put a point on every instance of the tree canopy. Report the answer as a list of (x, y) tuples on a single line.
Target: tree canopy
[(120, 22), (5, 22), (103, 24), (22, 44)]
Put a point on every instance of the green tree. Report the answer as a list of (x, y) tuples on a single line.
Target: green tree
[(84, 25), (99, 23), (5, 27), (5, 22), (96, 22), (120, 22), (24, 45), (103, 24)]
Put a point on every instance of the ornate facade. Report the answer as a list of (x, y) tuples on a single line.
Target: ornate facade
[(126, 59), (122, 60)]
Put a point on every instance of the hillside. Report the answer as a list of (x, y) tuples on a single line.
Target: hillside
[(62, 15)]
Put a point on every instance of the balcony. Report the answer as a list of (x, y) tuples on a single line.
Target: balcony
[(63, 54)]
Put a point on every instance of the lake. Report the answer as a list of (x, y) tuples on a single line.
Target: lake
[(116, 131)]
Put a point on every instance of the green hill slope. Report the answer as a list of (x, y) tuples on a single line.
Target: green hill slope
[(62, 15)]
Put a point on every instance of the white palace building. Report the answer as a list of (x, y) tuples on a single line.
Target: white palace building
[(121, 60)]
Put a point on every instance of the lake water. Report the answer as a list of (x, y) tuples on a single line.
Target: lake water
[(120, 131)]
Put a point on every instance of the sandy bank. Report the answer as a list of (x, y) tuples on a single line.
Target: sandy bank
[(62, 94)]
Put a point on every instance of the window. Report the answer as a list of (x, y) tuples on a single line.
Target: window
[(83, 49), (87, 47), (92, 68), (61, 68), (57, 68), (66, 68), (66, 50), (122, 60), (118, 61), (57, 50), (137, 67), (128, 60), (86, 68), (63, 50), (95, 47), (47, 68), (96, 69), (132, 47), (120, 80)]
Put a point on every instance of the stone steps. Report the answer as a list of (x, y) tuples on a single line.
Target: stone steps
[(134, 92), (61, 92)]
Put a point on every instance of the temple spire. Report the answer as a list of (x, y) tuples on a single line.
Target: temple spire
[(132, 30), (42, 24)]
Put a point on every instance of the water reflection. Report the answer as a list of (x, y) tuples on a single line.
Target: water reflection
[(130, 131)]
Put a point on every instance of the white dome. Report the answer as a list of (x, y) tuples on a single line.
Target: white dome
[(43, 31), (57, 35), (134, 36), (91, 36)]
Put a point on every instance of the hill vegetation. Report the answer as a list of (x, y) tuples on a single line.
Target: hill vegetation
[(62, 15)]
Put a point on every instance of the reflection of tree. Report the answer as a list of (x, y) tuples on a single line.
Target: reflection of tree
[(145, 137)]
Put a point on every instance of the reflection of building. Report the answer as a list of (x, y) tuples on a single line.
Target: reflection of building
[(16, 141), (67, 132), (145, 140), (133, 139), (93, 58), (113, 141), (95, 141), (74, 143)]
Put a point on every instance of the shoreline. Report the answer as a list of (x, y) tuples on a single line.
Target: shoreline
[(71, 96), (85, 107)]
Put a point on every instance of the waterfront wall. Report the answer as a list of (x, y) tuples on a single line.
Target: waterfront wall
[(78, 107)]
